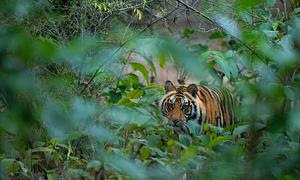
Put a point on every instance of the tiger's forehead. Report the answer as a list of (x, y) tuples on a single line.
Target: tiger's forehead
[(180, 89), (179, 92), (183, 99)]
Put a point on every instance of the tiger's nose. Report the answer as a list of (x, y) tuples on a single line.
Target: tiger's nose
[(176, 121)]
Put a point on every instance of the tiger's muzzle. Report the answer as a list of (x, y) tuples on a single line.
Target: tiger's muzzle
[(176, 115)]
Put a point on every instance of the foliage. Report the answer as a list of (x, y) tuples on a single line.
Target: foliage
[(70, 108)]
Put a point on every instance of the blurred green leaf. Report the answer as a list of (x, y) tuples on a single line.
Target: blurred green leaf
[(42, 149), (289, 93), (145, 153), (161, 59), (77, 173), (217, 35), (297, 10), (125, 166), (229, 25), (135, 94), (187, 155), (141, 68), (185, 139), (187, 32), (270, 3), (102, 134), (198, 48), (126, 102), (246, 4), (194, 128), (134, 79), (218, 140), (160, 88), (240, 130), (125, 115), (94, 164), (10, 165), (151, 65), (52, 176)]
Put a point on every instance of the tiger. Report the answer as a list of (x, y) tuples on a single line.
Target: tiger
[(197, 102)]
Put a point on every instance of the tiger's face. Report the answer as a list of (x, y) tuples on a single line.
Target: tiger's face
[(179, 104)]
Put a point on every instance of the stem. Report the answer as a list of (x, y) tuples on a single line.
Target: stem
[(121, 46)]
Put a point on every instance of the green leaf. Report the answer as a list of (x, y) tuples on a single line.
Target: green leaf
[(218, 140), (159, 152), (160, 88), (151, 65), (270, 3), (187, 155), (138, 13), (114, 97), (227, 64), (126, 102), (52, 176), (240, 129), (23, 168), (230, 25), (72, 173), (42, 149), (53, 141), (135, 127), (246, 4), (141, 68), (198, 48), (217, 35), (153, 140), (134, 80), (246, 17), (187, 32), (10, 165), (288, 91), (205, 139), (145, 152), (123, 85), (94, 164), (125, 166), (297, 10), (135, 94), (125, 115), (270, 33), (185, 139), (194, 128), (161, 58)]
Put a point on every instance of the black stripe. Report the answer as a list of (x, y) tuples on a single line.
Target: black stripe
[(200, 117), (222, 113), (218, 111), (163, 106), (195, 111)]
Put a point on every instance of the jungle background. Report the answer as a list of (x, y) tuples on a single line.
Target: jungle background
[(80, 82)]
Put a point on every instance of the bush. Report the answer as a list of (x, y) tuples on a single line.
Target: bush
[(68, 107)]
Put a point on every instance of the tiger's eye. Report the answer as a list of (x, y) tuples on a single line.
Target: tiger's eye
[(169, 105), (185, 107)]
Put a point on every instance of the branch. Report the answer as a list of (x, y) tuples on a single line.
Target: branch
[(121, 46), (216, 24)]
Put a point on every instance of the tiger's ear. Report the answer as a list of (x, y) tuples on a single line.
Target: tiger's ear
[(192, 89), (169, 86)]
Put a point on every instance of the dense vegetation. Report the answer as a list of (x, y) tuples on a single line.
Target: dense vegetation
[(76, 101)]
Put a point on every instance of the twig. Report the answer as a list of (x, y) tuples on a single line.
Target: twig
[(121, 46), (216, 24), (5, 103), (120, 75)]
